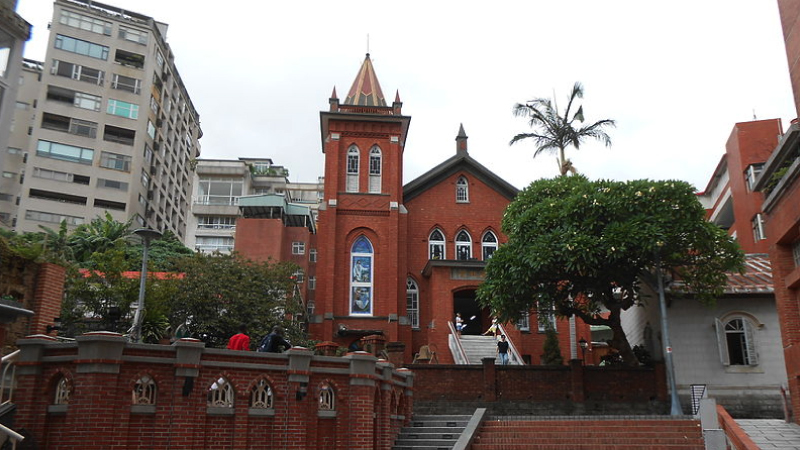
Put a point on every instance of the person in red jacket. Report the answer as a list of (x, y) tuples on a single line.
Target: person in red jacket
[(240, 341)]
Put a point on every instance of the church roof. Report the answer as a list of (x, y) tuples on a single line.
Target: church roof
[(366, 91), (461, 161)]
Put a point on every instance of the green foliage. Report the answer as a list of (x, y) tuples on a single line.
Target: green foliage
[(552, 350), (554, 132), (582, 247), (220, 292), (162, 253), (99, 235)]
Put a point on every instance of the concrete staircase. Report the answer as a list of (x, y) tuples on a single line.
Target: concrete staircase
[(479, 347), (431, 433), (585, 433)]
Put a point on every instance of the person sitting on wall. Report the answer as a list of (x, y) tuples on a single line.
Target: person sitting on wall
[(240, 341), (274, 342)]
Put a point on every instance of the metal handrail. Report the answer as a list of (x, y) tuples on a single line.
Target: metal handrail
[(511, 347), (7, 383), (457, 352)]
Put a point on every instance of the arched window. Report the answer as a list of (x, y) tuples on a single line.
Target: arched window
[(220, 394), (737, 341), (462, 190), (361, 293), (352, 169), (488, 244), (144, 391), (436, 245), (63, 392), (261, 396), (375, 170), (412, 302), (463, 246), (327, 398)]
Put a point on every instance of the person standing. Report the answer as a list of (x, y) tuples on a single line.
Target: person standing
[(492, 329), (240, 340), (459, 324), (274, 342), (502, 350)]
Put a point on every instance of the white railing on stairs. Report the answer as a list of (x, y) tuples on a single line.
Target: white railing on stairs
[(7, 385), (456, 349)]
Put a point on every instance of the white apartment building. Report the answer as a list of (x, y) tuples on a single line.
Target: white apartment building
[(112, 126)]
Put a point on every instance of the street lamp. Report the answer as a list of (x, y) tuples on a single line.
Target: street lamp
[(583, 345), (147, 235)]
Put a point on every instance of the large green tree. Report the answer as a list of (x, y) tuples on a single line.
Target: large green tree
[(583, 246), (554, 131)]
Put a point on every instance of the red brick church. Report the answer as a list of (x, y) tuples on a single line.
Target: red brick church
[(401, 260)]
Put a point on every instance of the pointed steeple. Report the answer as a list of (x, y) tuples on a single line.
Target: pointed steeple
[(461, 140), (334, 101), (397, 106), (366, 91)]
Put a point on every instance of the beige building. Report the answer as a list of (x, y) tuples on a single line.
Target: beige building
[(113, 128), (218, 186)]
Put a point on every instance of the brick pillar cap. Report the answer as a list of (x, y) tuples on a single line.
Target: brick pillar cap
[(39, 336)]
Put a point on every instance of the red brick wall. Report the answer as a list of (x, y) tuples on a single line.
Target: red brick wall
[(99, 414), (47, 297), (790, 22)]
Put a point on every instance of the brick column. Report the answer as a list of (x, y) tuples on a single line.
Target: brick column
[(47, 296), (396, 351), (576, 378), (31, 393), (489, 379), (301, 405), (188, 398), (361, 401)]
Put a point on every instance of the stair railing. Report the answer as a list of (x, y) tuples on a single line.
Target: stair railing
[(456, 349), (9, 377), (516, 358), (11, 434)]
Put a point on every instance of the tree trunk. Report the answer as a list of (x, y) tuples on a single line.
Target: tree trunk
[(620, 340)]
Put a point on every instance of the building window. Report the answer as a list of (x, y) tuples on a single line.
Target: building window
[(112, 184), (77, 72), (133, 35), (115, 161), (86, 23), (524, 322), (463, 246), (436, 245), (298, 248), (758, 227), (796, 252), (40, 216), (76, 99), (312, 255), (299, 276), (327, 398), (375, 170), (462, 190), (412, 303), (312, 283), (129, 59), (144, 391), (151, 129), (546, 318), (54, 150), (63, 392), (753, 171), (488, 245), (220, 394), (216, 222), (219, 191), (261, 396), (145, 179), (361, 293), (736, 341), (352, 169), (129, 84), (211, 244), (80, 47), (122, 109)]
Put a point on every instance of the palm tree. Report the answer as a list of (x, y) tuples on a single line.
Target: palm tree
[(554, 132)]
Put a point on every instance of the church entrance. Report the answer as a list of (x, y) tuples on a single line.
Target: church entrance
[(475, 318)]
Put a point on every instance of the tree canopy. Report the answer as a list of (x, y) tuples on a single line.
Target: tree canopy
[(554, 132), (583, 246)]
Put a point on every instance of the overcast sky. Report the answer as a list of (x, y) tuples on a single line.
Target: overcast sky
[(676, 76)]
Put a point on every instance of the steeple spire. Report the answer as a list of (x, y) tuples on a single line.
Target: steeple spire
[(461, 140), (366, 91)]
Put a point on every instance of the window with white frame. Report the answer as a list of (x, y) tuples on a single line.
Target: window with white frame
[(261, 396), (327, 398), (133, 35), (753, 171), (115, 161), (361, 286), (462, 190), (81, 47), (463, 246), (312, 283), (144, 391), (299, 276), (216, 222), (524, 321), (219, 191), (488, 245), (352, 169), (86, 23), (312, 255), (796, 252), (55, 150), (758, 227), (298, 248), (375, 170), (220, 394), (211, 244), (412, 302), (436, 247), (546, 318), (77, 72), (737, 341), (121, 82)]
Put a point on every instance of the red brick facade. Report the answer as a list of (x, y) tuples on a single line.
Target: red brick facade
[(371, 399)]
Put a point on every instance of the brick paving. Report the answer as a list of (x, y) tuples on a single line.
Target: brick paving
[(772, 433)]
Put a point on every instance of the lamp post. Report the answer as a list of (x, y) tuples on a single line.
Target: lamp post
[(583, 345), (147, 235)]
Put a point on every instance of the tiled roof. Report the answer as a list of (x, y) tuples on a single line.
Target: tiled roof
[(366, 91), (757, 277)]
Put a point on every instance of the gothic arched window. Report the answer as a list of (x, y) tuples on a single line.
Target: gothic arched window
[(412, 302), (737, 341), (488, 244), (462, 190), (353, 158), (436, 245), (375, 161), (361, 286), (463, 246)]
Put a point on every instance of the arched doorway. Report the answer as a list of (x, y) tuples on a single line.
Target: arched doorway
[(475, 318)]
